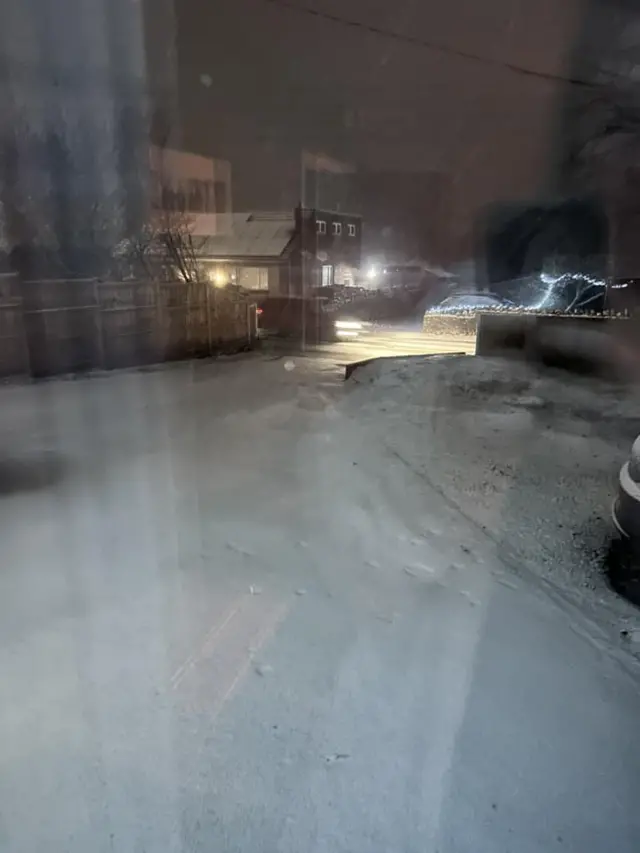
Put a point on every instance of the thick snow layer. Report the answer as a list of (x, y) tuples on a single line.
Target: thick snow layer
[(531, 457), (231, 619)]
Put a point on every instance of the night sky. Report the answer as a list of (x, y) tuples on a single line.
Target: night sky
[(281, 81)]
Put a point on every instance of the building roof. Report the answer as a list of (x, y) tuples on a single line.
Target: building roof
[(258, 235)]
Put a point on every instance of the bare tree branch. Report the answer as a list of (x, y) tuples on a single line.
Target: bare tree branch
[(165, 247)]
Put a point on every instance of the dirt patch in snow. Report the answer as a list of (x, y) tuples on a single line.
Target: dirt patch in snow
[(532, 457)]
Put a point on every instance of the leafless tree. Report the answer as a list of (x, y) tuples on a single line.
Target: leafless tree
[(175, 238), (164, 247)]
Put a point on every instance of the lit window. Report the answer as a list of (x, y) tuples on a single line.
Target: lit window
[(253, 278), (321, 226), (352, 230), (337, 228)]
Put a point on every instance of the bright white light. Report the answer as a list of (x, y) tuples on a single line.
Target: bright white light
[(348, 324), (548, 279), (219, 277), (552, 281), (372, 272), (346, 333)]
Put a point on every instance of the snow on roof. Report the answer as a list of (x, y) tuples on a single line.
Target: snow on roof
[(251, 235)]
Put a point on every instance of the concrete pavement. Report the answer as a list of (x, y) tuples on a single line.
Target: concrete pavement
[(231, 621)]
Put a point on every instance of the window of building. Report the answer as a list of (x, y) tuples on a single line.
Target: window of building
[(352, 230), (221, 199), (173, 199), (337, 228), (327, 275), (321, 226), (344, 274), (196, 200), (208, 195), (253, 278)]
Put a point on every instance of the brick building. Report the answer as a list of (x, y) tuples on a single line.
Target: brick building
[(284, 254)]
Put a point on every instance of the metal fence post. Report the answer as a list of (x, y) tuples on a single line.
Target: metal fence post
[(252, 322), (208, 309), (99, 326)]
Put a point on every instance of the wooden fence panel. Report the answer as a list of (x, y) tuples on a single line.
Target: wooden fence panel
[(54, 327), (129, 336), (58, 294), (128, 323), (60, 322), (63, 340), (14, 354)]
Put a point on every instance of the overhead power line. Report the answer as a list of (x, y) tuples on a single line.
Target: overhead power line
[(425, 44)]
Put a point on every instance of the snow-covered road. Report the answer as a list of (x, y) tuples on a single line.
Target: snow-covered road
[(384, 342), (232, 620)]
